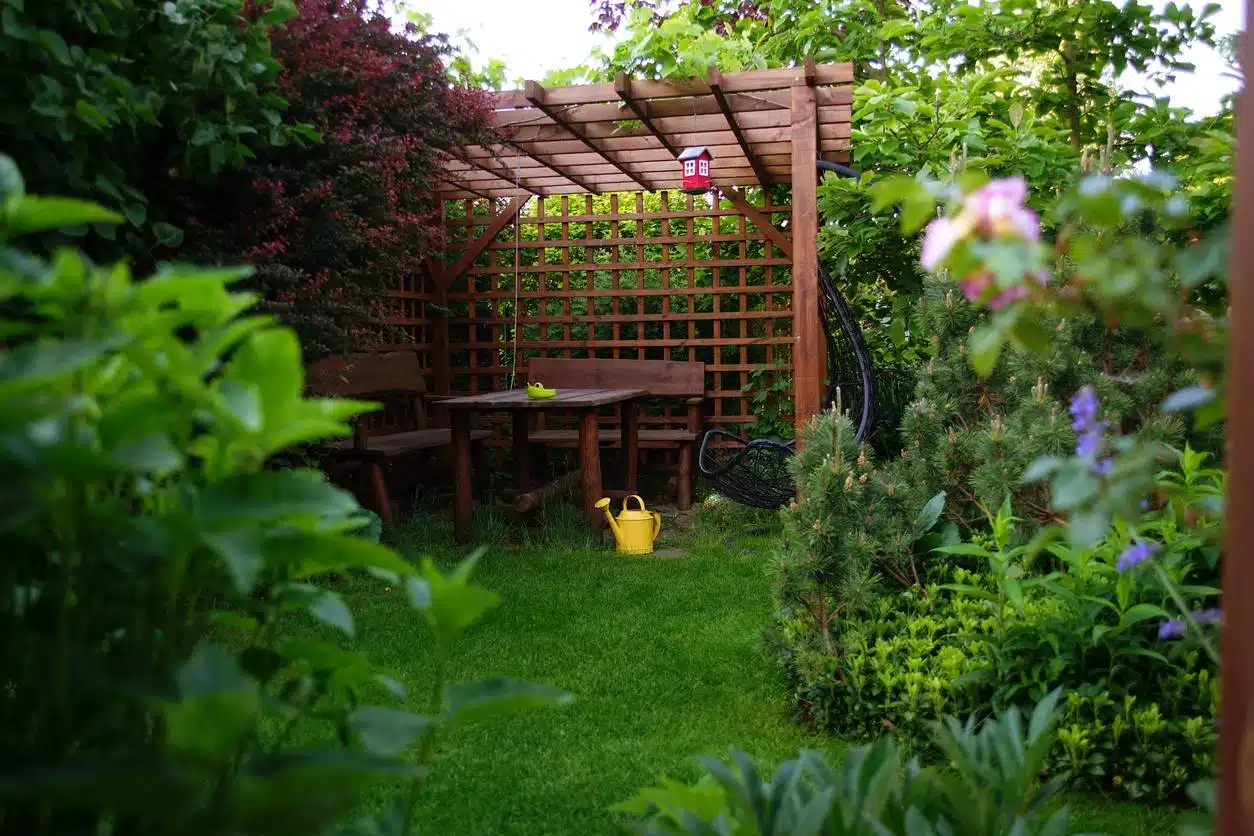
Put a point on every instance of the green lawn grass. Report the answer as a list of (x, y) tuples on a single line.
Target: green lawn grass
[(663, 658)]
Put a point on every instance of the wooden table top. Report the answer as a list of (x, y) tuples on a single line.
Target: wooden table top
[(564, 399)]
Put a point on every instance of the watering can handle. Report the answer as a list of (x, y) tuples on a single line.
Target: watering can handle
[(638, 500), (657, 524)]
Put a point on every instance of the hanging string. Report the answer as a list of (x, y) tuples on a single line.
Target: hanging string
[(513, 372)]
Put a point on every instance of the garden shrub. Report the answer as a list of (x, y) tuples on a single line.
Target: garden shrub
[(998, 625), (331, 227), (991, 786), (130, 103), (155, 562)]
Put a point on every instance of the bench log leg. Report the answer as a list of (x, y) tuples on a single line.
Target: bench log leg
[(378, 488), (683, 481), (590, 463), (463, 499), (522, 451), (631, 444)]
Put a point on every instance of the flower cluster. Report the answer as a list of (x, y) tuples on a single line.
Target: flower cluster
[(1138, 552), (994, 212), (1176, 628), (1090, 432)]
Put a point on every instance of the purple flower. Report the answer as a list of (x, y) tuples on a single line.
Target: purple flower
[(1104, 466), (1084, 408), (1084, 421), (1173, 629), (1136, 553), (1145, 504), (1213, 615)]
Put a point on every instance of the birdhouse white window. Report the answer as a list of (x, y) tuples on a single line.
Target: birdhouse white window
[(705, 168), (690, 167)]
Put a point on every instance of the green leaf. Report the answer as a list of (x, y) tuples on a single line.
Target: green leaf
[(38, 363), (12, 186), (218, 704), (167, 235), (271, 496), (1074, 486), (386, 731), (1087, 528), (931, 513), (1142, 612), (323, 604), (984, 348), (280, 11), (470, 701), (240, 550), (1041, 468), (1014, 593), (305, 792), (1189, 398), (40, 214), (154, 454)]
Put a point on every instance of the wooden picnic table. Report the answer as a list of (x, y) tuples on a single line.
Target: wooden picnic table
[(584, 402)]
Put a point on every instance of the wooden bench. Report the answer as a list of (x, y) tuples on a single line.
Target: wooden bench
[(660, 378), (396, 379)]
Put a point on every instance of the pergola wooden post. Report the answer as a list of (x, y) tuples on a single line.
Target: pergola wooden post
[(1236, 723), (809, 357)]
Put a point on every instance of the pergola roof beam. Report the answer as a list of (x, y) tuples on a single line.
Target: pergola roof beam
[(715, 79), (622, 86), (535, 95), (484, 165)]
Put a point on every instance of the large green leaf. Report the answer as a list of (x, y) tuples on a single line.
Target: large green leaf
[(217, 706), (271, 496), (38, 214), (387, 731), (498, 695), (305, 792)]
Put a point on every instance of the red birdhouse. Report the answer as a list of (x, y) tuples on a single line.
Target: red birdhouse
[(696, 169)]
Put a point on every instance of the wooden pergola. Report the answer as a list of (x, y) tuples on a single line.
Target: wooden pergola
[(762, 127)]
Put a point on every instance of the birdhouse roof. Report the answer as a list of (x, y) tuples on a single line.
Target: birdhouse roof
[(693, 153)]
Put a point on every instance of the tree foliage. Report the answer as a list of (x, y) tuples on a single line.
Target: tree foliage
[(128, 102), (332, 226)]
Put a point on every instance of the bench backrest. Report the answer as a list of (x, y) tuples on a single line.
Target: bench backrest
[(360, 375), (658, 377)]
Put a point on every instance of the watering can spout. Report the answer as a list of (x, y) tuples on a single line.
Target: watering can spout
[(604, 505)]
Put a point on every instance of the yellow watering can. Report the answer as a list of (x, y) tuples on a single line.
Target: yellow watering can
[(634, 531)]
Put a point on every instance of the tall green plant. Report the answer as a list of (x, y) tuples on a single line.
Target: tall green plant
[(154, 561)]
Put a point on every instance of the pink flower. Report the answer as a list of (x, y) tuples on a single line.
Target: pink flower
[(999, 210), (941, 236), (1007, 296), (974, 285)]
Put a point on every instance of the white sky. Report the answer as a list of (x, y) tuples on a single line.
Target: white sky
[(535, 37)]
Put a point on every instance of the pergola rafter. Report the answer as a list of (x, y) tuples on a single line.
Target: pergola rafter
[(715, 80), (536, 96), (624, 135)]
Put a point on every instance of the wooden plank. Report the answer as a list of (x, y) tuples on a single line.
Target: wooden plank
[(623, 87), (715, 80), (535, 94), (761, 221), (634, 265), (564, 399), (655, 377), (631, 216), (1236, 723), (809, 351), (747, 81), (473, 248)]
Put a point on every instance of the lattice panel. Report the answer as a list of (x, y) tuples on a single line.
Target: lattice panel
[(633, 276)]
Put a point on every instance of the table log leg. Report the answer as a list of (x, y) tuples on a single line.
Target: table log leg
[(463, 500), (631, 444), (590, 462), (522, 451)]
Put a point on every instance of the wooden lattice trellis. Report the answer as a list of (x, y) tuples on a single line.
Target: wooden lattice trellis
[(636, 276)]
